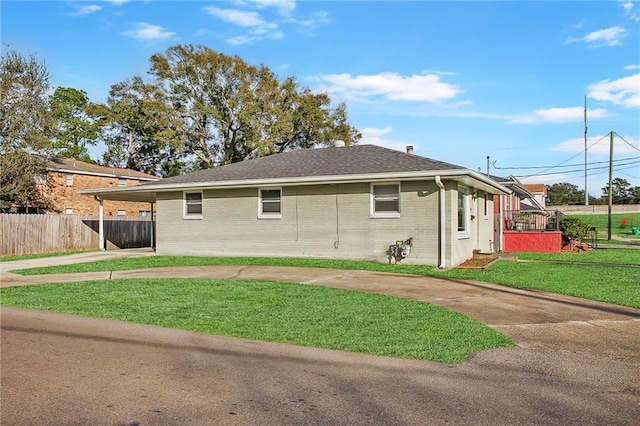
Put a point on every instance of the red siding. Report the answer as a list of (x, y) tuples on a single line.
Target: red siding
[(538, 241)]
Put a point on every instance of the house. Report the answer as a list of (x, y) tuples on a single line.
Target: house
[(521, 221), (539, 192), (65, 176), (357, 202)]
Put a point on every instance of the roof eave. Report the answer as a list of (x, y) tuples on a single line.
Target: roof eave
[(476, 179)]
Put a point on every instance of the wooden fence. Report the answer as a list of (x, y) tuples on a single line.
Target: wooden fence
[(39, 233)]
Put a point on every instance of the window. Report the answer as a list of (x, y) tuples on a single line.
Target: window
[(144, 213), (463, 208), (270, 204), (41, 179), (122, 182), (193, 205), (68, 211), (486, 205), (385, 200), (122, 212), (69, 179)]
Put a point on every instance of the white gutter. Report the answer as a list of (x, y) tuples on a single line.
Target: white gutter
[(443, 227)]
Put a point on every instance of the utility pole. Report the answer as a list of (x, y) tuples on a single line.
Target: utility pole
[(586, 192), (610, 185), (488, 174)]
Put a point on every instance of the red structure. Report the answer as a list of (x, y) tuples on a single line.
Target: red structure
[(536, 241)]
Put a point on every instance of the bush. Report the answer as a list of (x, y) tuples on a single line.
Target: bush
[(573, 229)]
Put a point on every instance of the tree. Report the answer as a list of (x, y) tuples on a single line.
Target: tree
[(622, 192), (19, 172), (230, 111), (77, 123), (564, 193), (141, 129), (25, 121)]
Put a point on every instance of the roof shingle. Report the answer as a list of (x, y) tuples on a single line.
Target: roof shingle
[(336, 161)]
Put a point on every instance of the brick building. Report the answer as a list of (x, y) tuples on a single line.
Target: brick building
[(65, 176)]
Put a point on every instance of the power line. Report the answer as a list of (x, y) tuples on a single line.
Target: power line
[(630, 144), (579, 170), (567, 165)]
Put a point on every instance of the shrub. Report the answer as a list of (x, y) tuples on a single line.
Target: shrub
[(573, 229)]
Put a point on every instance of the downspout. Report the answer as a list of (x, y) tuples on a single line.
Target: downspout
[(100, 222), (443, 227)]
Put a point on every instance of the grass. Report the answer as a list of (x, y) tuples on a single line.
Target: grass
[(273, 311), (600, 222), (37, 255), (602, 281)]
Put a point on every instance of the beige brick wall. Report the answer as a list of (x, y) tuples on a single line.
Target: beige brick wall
[(65, 197), (330, 221)]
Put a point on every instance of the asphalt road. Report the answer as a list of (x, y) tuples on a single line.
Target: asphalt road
[(578, 362)]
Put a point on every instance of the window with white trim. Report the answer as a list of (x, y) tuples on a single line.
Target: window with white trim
[(193, 205), (385, 200), (69, 179), (68, 211), (270, 203), (122, 212), (463, 210), (122, 182)]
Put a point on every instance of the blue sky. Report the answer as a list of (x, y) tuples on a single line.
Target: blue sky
[(459, 81)]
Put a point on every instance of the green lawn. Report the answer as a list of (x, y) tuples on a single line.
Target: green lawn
[(610, 279), (618, 228), (273, 311)]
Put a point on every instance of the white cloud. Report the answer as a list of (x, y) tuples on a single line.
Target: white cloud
[(85, 9), (284, 7), (559, 115), (632, 67), (602, 38), (147, 32), (117, 2), (629, 9), (600, 145), (390, 86), (238, 17), (377, 136), (623, 91), (259, 29)]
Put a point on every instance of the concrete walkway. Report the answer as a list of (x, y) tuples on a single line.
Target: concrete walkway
[(578, 362)]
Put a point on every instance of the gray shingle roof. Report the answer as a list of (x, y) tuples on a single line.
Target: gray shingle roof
[(336, 161), (76, 166)]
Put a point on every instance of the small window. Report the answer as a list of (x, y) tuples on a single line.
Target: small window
[(144, 213), (122, 182), (270, 203), (69, 179), (193, 205), (41, 179), (122, 212), (463, 208), (385, 200), (486, 204), (68, 211)]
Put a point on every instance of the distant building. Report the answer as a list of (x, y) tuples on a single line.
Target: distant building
[(65, 176), (539, 192)]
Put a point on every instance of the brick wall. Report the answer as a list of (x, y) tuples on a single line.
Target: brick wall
[(65, 197), (533, 241)]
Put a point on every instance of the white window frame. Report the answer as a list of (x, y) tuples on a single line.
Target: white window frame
[(186, 215), (384, 214), (463, 192), (122, 212), (68, 210), (122, 182), (144, 213), (268, 215), (69, 179)]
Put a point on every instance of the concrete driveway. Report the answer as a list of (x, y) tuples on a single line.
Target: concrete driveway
[(577, 362)]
